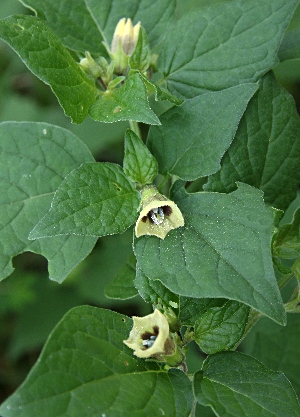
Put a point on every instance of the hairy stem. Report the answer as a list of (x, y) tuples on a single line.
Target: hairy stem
[(134, 126)]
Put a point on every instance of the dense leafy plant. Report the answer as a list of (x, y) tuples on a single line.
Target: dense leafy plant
[(211, 164)]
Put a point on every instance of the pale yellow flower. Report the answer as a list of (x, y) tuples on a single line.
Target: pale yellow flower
[(158, 215), (125, 35), (149, 336)]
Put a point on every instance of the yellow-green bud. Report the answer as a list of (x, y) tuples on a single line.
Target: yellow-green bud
[(123, 43), (158, 215), (89, 65)]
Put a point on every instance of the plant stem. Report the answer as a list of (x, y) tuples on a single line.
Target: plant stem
[(135, 128), (284, 280)]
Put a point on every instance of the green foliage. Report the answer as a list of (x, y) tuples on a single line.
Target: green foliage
[(75, 28), (139, 165), (234, 384), (222, 251), (95, 199), (277, 347), (221, 46), (202, 128), (76, 367), (27, 187), (220, 328), (270, 153), (129, 102), (210, 172), (45, 55)]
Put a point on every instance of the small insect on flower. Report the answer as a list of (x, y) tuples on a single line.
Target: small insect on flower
[(158, 215)]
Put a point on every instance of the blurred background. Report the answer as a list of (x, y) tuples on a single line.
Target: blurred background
[(31, 304)]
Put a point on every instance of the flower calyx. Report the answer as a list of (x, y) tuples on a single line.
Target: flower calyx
[(158, 214)]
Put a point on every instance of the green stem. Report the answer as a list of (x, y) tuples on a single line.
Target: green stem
[(134, 126), (284, 280)]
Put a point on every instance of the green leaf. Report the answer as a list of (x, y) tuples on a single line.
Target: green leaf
[(223, 250), (161, 94), (194, 137), (139, 164), (223, 45), (191, 309), (49, 60), (287, 241), (140, 58), (220, 328), (121, 286), (128, 102), (154, 15), (154, 292), (237, 385), (95, 199), (284, 354), (268, 143), (34, 159), (71, 21), (85, 369)]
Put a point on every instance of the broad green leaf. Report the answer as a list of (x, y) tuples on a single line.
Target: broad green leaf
[(154, 15), (139, 164), (237, 385), (121, 286), (284, 342), (85, 369), (95, 199), (287, 241), (128, 102), (154, 292), (71, 21), (34, 160), (188, 309), (223, 250), (222, 45), (45, 55), (193, 137), (268, 143), (220, 328)]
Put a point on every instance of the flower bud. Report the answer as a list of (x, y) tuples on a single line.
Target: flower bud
[(123, 43), (89, 66), (97, 68), (158, 215)]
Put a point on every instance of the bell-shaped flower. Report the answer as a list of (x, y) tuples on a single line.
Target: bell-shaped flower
[(158, 215), (149, 336)]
